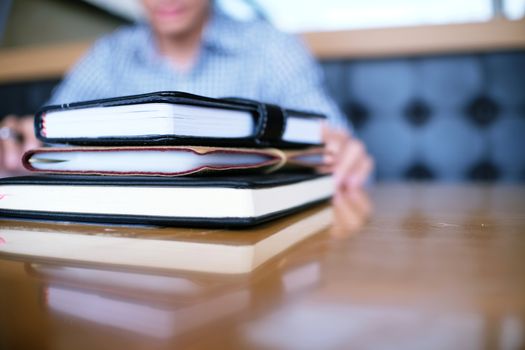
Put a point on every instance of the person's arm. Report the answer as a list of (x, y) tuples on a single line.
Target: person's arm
[(296, 81)]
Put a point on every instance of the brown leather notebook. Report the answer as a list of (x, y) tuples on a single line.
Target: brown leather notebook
[(167, 160)]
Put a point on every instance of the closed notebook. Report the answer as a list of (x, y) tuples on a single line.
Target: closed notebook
[(177, 118), (167, 160), (189, 201)]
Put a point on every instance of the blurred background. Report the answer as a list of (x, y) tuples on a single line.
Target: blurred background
[(435, 88)]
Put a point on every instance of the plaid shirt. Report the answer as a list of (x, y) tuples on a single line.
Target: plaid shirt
[(241, 59)]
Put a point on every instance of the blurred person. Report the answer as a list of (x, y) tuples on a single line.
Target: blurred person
[(191, 46)]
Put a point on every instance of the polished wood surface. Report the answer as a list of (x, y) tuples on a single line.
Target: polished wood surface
[(403, 267), (39, 62), (33, 63), (494, 35)]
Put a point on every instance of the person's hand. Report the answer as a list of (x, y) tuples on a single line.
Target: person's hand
[(16, 137), (352, 209), (347, 158)]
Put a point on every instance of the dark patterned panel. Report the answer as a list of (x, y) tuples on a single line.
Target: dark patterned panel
[(419, 171), (453, 118), (483, 110), (507, 146), (418, 112), (447, 82), (11, 99), (24, 98), (382, 86), (450, 146), (484, 171), (358, 114), (392, 144), (506, 78)]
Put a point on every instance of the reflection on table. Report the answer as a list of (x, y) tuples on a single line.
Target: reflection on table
[(405, 266)]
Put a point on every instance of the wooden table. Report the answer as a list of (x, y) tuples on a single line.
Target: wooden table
[(406, 266)]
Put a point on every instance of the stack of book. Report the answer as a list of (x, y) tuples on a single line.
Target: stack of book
[(170, 158)]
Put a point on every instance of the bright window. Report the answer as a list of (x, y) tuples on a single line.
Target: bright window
[(514, 9), (315, 15)]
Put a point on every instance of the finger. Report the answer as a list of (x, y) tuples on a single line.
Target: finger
[(335, 140), (347, 218), (362, 203), (324, 169), (359, 200), (354, 150), (325, 131), (360, 173)]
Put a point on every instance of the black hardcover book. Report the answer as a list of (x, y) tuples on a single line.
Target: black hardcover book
[(178, 118), (187, 201)]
